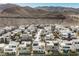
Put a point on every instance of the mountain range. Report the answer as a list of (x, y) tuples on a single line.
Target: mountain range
[(13, 14), (13, 10)]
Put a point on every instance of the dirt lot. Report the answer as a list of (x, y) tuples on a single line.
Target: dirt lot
[(22, 21)]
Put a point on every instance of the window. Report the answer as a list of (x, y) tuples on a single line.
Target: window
[(76, 42), (28, 45), (40, 48), (56, 44), (77, 49), (65, 51), (66, 47), (47, 42), (52, 47), (35, 44), (69, 44), (13, 46), (24, 48), (8, 50), (22, 43)]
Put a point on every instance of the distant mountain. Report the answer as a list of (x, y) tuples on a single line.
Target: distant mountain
[(4, 6), (12, 10), (15, 10), (34, 11), (66, 10)]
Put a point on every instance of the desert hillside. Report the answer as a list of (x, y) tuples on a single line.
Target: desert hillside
[(11, 14)]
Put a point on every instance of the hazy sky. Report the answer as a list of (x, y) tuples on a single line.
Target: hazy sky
[(74, 5)]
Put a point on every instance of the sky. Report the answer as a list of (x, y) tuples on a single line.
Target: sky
[(73, 5), (39, 1), (36, 3)]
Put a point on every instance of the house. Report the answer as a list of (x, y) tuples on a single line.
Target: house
[(38, 47), (9, 28), (49, 46), (2, 31), (11, 48), (16, 31), (38, 35), (56, 45), (32, 28), (22, 27), (64, 35), (15, 34), (73, 35), (25, 48), (48, 29), (4, 39), (26, 37), (67, 34), (66, 46), (76, 44), (2, 47), (49, 36)]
